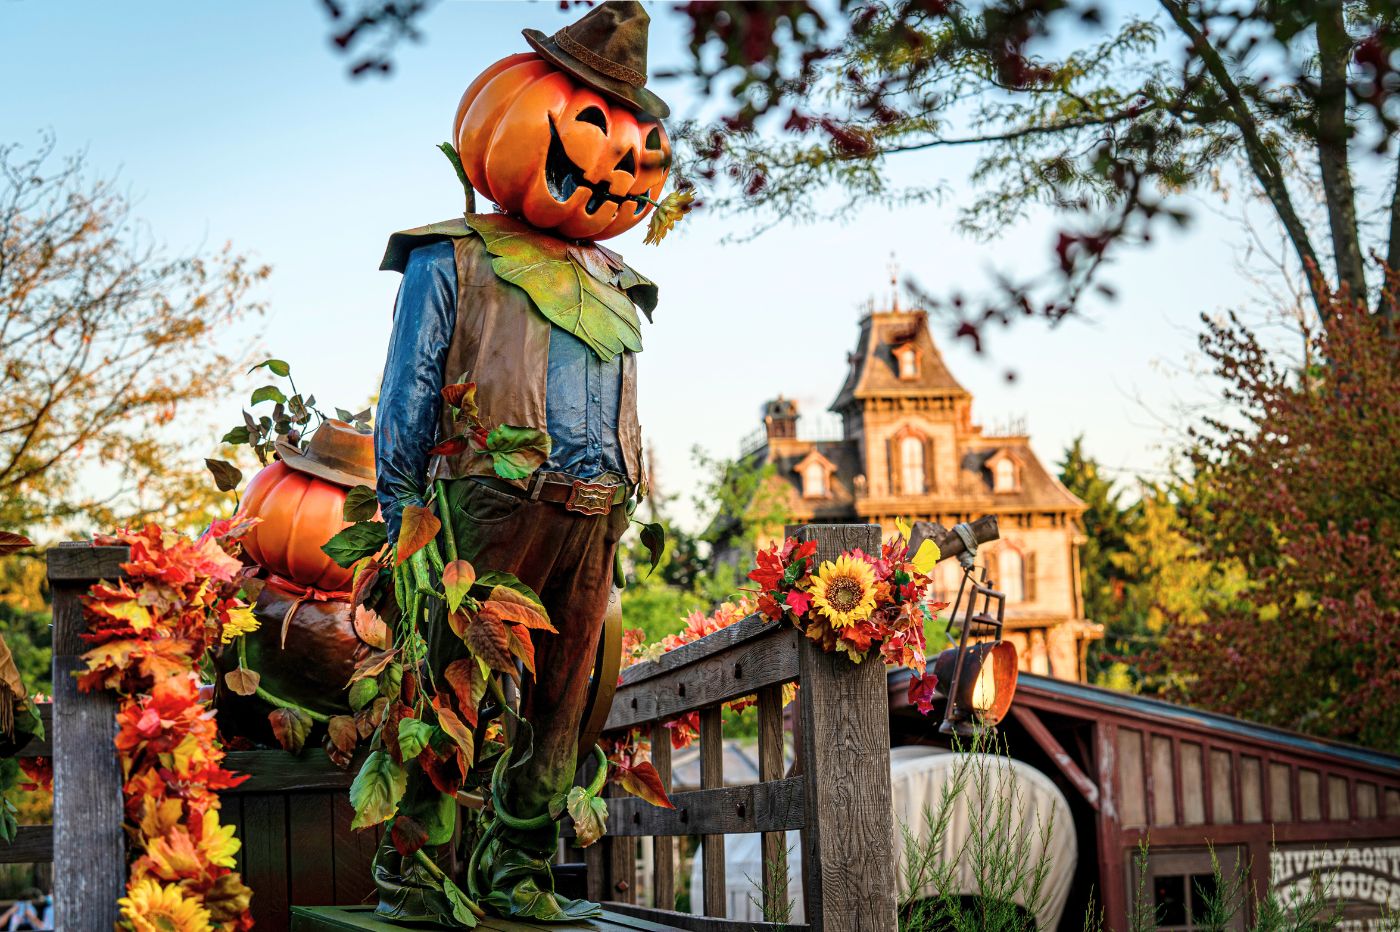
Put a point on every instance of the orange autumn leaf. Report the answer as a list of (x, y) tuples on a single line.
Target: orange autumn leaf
[(643, 781), (468, 682), (457, 579), (417, 529), (522, 647), (508, 605)]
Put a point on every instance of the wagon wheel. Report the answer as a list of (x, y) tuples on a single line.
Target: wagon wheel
[(603, 686)]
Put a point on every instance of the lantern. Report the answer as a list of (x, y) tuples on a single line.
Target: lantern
[(981, 675)]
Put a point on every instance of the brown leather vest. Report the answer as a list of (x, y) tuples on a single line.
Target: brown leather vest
[(501, 342)]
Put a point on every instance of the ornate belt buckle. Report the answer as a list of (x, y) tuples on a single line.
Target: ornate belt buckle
[(590, 498)]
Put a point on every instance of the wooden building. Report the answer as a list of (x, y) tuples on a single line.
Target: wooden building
[(909, 448), (1288, 809)]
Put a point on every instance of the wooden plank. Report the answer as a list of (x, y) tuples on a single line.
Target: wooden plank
[(849, 882), (770, 771), (1251, 789), (1280, 792), (663, 921), (663, 869), (1108, 826), (280, 772), (265, 864), (984, 530), (32, 844), (735, 670), (354, 854), (311, 860), (745, 629), (81, 562), (1191, 783), (1222, 805), (726, 810), (716, 892), (1163, 782), (1309, 795), (363, 919), (1131, 777), (1338, 801), (89, 846), (621, 851), (1037, 730)]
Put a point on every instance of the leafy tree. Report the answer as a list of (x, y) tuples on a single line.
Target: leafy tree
[(1302, 492), (1106, 525), (1104, 123), (104, 341)]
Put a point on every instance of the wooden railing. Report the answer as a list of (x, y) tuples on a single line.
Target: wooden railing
[(293, 814), (838, 797)]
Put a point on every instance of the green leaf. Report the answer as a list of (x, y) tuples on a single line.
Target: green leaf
[(557, 804), (377, 789), (516, 452), (359, 540), (268, 393), (226, 475), (654, 539), (360, 504), (414, 735), (590, 815), (362, 693), (276, 366), (238, 435), (598, 313), (461, 905)]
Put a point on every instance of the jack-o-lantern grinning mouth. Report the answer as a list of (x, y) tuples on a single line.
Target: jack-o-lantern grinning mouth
[(563, 177)]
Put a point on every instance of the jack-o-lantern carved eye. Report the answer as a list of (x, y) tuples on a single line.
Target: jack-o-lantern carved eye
[(595, 116), (654, 139)]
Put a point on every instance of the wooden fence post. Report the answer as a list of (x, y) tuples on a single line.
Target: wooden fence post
[(848, 856), (89, 853)]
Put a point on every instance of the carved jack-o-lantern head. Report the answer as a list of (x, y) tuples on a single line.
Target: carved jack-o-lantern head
[(557, 153)]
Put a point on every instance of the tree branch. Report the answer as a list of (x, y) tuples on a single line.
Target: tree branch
[(1332, 132), (1262, 160)]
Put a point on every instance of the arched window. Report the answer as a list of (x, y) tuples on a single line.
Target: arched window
[(911, 461), (814, 481), (1012, 574), (1005, 478)]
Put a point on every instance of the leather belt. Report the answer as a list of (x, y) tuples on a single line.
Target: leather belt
[(587, 498)]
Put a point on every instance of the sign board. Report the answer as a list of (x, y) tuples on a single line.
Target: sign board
[(1363, 878)]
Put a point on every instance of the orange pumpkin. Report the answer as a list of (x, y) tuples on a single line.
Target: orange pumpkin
[(558, 154), (299, 513)]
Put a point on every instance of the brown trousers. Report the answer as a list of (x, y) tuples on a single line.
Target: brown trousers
[(567, 558)]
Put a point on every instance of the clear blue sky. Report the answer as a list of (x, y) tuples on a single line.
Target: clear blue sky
[(235, 122)]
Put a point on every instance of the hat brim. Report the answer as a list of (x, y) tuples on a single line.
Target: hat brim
[(639, 97), (295, 459)]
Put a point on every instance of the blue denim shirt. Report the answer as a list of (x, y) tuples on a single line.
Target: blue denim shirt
[(582, 396)]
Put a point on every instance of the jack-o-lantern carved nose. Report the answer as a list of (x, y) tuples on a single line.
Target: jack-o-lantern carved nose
[(626, 164)]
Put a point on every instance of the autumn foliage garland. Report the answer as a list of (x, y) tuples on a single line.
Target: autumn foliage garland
[(148, 633)]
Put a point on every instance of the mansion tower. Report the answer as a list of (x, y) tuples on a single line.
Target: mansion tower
[(909, 449)]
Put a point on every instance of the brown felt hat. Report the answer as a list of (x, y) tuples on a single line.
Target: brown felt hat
[(607, 50), (337, 453)]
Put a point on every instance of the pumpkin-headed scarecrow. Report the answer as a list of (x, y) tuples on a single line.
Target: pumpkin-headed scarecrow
[(509, 457)]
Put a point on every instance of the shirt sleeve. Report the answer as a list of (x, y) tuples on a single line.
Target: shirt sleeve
[(410, 399)]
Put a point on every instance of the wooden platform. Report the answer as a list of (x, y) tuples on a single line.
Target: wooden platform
[(337, 918)]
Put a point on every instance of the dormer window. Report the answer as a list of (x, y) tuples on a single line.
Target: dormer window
[(814, 473), (907, 359), (1004, 475)]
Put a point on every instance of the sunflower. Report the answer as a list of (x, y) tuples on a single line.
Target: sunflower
[(151, 907), (844, 591)]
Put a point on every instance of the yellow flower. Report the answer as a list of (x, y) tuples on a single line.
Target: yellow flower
[(844, 591), (217, 842), (151, 907), (241, 621)]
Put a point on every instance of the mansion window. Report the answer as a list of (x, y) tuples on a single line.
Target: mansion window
[(814, 481), (911, 462), (1011, 571), (1004, 477), (908, 359)]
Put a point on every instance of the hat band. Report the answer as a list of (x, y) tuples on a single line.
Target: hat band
[(597, 62)]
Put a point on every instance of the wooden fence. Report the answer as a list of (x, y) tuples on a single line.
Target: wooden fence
[(293, 814)]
